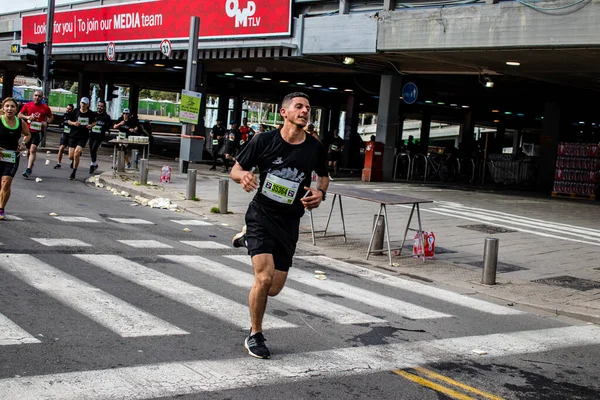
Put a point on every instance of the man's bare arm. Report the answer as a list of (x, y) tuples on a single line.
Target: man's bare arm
[(246, 178)]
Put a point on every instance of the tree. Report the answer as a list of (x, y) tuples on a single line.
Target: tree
[(75, 87)]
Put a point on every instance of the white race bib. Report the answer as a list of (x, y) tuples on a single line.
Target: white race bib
[(215, 142), (8, 156), (232, 137), (35, 125), (279, 189), (97, 129), (242, 142), (334, 147), (83, 121), (122, 135), (67, 129)]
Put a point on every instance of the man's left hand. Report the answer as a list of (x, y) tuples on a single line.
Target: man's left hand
[(312, 200)]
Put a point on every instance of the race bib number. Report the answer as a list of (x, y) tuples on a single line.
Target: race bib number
[(279, 189), (334, 147), (67, 129), (242, 142), (215, 142), (35, 125), (97, 129), (8, 156), (83, 121), (232, 137), (122, 135)]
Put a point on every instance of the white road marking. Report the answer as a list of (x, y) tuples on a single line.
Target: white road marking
[(197, 298), (11, 217), (11, 333), (191, 222), (145, 244), (455, 215), (61, 242), (132, 221), (202, 376), (205, 244), (370, 298), (106, 309), (415, 287), (76, 219), (293, 297)]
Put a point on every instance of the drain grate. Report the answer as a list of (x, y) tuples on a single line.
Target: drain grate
[(501, 267), (570, 282), (487, 229)]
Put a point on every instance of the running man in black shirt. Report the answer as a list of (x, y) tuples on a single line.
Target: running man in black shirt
[(82, 121), (216, 136), (285, 158), (98, 133), (64, 137)]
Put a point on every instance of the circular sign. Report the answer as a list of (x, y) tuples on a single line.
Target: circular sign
[(111, 51), (166, 48), (410, 93)]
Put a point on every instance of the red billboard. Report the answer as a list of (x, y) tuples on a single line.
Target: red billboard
[(163, 19)]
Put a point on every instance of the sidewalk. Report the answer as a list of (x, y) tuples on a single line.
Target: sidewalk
[(570, 267)]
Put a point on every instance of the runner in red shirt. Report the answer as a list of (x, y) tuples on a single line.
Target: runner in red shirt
[(247, 133), (38, 116)]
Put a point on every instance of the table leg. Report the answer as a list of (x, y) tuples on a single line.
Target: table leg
[(312, 228), (343, 222), (115, 160), (329, 217), (421, 238), (406, 230), (373, 233), (387, 233)]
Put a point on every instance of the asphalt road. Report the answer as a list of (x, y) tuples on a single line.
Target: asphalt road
[(122, 303)]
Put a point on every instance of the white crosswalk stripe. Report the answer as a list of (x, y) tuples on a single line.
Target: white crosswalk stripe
[(77, 219), (313, 304), (132, 221), (11, 333), (191, 222), (415, 287), (107, 310), (145, 244), (199, 299), (61, 242), (372, 299), (205, 244), (202, 376)]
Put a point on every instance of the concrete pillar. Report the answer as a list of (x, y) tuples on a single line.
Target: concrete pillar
[(324, 132), (83, 86), (134, 99), (351, 154), (390, 90), (8, 83), (237, 112), (516, 143), (466, 139), (400, 133), (425, 130), (548, 145)]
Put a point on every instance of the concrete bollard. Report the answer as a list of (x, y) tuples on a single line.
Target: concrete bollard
[(191, 184), (134, 158), (120, 161), (379, 225), (144, 165), (490, 261), (223, 195)]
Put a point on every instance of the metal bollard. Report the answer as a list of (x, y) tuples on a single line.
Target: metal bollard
[(144, 171), (191, 184), (134, 158), (490, 261), (120, 161), (379, 226), (223, 195)]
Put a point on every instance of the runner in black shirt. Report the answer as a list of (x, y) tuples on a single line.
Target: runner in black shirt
[(216, 136), (82, 121), (286, 159), (127, 125), (335, 151), (98, 133), (11, 130), (64, 137), (232, 141)]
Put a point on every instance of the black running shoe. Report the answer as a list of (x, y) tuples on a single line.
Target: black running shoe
[(27, 173), (57, 166), (239, 240), (93, 168), (72, 161), (256, 347), (72, 177)]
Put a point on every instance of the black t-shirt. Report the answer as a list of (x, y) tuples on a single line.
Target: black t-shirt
[(85, 118), (285, 169), (337, 144), (131, 123), (216, 132), (9, 137), (66, 126), (233, 140), (103, 124)]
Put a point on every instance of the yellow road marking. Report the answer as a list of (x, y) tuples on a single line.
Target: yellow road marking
[(432, 385), (450, 381)]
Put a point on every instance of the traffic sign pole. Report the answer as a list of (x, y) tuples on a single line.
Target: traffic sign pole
[(190, 77), (47, 83)]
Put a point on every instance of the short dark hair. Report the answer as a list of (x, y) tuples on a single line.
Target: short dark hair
[(288, 99), (70, 105), (102, 101)]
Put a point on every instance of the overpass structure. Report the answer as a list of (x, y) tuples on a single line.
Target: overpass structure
[(519, 66)]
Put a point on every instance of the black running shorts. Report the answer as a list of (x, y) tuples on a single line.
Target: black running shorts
[(64, 140), (36, 138), (267, 233), (74, 142), (9, 169)]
